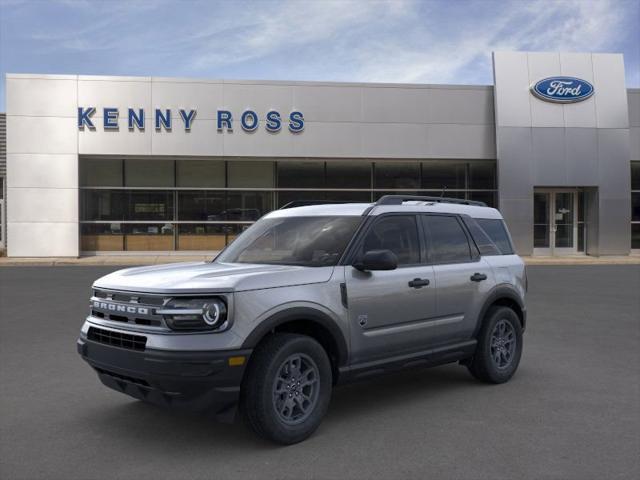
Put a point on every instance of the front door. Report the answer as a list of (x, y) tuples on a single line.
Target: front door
[(555, 225), (390, 312)]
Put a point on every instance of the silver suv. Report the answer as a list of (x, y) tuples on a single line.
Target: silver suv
[(310, 297)]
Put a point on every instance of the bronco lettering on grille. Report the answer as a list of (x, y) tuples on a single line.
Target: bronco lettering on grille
[(117, 307)]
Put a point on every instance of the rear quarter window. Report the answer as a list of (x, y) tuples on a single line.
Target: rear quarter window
[(497, 232)]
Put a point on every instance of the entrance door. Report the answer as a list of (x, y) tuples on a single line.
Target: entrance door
[(555, 222)]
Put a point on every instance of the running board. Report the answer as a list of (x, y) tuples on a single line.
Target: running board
[(426, 358)]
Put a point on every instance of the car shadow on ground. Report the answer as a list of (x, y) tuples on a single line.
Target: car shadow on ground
[(141, 422)]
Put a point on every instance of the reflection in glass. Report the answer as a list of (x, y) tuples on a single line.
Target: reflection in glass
[(356, 174), (148, 237), (106, 237), (444, 175), (635, 175), (635, 235), (635, 207), (246, 206), (541, 208), (541, 236), (564, 220), (101, 172), (149, 173), (447, 241), (200, 173), (239, 196), (301, 174), (482, 175), (250, 174), (150, 205), (304, 241), (103, 205), (201, 205), (487, 197), (203, 236), (397, 175)]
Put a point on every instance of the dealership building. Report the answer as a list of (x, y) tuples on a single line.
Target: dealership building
[(118, 165)]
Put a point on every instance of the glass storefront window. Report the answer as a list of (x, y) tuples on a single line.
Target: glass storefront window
[(348, 196), (397, 175), (285, 197), (201, 205), (487, 197), (150, 205), (101, 172), (443, 175), (635, 175), (149, 173), (355, 174), (482, 175), (300, 174), (247, 206), (209, 193), (200, 173), (103, 205), (95, 237), (202, 236), (635, 236), (635, 206), (148, 237), (250, 174)]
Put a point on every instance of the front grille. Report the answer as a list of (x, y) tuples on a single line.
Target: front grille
[(130, 297), (127, 308), (117, 339)]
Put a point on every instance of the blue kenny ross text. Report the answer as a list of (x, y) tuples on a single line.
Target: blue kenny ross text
[(165, 120)]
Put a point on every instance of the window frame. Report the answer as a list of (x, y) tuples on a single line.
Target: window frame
[(474, 253)]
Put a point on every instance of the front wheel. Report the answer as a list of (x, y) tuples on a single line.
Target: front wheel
[(287, 388), (499, 346)]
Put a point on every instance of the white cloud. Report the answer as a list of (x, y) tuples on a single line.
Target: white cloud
[(286, 26), (570, 25)]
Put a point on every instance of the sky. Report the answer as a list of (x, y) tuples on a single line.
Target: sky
[(403, 41)]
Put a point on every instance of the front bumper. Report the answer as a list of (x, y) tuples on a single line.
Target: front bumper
[(197, 381)]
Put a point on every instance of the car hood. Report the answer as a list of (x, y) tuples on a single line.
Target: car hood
[(201, 277)]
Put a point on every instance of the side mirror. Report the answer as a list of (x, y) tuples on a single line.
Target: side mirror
[(377, 260)]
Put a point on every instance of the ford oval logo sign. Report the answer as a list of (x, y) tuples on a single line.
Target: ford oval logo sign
[(562, 89)]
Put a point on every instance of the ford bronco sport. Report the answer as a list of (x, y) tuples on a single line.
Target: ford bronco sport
[(309, 297)]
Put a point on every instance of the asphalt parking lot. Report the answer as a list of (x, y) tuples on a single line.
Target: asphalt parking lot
[(571, 412)]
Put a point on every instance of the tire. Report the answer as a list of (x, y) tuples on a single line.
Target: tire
[(276, 408), (497, 363)]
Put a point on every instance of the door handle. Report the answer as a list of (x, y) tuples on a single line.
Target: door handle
[(478, 277), (419, 283)]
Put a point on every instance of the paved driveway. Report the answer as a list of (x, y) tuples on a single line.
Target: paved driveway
[(571, 412)]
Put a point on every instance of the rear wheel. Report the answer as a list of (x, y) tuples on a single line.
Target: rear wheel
[(499, 346), (287, 388)]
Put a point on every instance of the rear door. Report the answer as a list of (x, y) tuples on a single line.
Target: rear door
[(462, 278), (390, 311)]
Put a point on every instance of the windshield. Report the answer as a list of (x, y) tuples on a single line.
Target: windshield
[(303, 241)]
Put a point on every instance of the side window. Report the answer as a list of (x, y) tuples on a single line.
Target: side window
[(447, 241), (483, 242), (398, 233), (498, 233)]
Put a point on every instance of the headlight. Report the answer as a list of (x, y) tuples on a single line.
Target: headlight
[(195, 314)]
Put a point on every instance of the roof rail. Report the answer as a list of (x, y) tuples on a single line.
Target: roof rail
[(306, 203), (400, 199)]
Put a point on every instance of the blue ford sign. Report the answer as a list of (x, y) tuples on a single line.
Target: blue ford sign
[(562, 89)]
